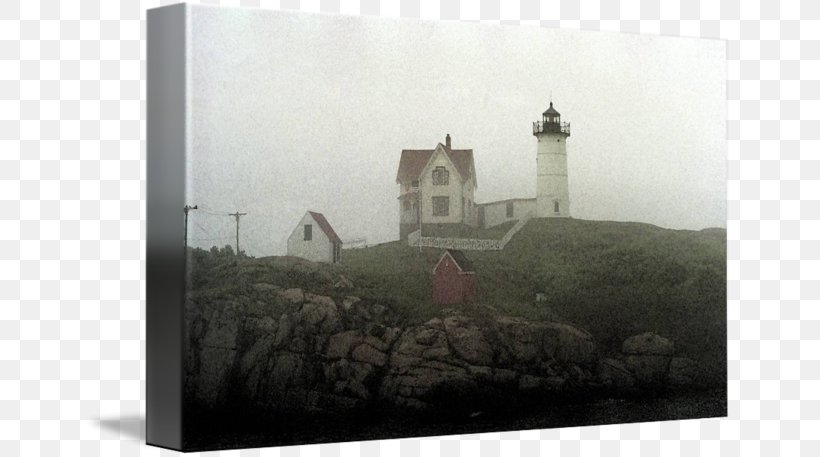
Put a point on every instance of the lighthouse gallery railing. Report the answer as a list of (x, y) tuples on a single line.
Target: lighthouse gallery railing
[(555, 127)]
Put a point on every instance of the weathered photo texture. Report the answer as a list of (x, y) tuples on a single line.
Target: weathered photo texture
[(401, 228)]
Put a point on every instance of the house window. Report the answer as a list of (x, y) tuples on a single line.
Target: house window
[(441, 206), (510, 209), (308, 232), (555, 204), (415, 184), (407, 205), (441, 177)]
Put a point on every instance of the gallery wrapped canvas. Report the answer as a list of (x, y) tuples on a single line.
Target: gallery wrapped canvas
[(362, 228)]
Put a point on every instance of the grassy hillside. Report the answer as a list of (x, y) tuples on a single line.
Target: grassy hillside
[(614, 279)]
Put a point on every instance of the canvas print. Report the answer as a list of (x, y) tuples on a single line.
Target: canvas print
[(405, 228)]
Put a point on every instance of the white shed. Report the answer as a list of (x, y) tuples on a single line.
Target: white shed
[(314, 239)]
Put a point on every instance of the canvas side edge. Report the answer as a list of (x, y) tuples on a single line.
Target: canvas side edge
[(165, 190)]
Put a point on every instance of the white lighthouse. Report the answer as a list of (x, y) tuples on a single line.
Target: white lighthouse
[(552, 197)]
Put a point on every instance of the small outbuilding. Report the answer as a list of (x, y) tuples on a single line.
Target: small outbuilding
[(314, 239), (454, 279)]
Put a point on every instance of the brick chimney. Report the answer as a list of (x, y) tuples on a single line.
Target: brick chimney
[(447, 142)]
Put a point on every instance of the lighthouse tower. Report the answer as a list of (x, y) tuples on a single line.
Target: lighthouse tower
[(552, 197)]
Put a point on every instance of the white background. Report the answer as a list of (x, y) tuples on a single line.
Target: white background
[(72, 210)]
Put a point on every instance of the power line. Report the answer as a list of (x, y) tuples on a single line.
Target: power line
[(213, 213), (201, 227)]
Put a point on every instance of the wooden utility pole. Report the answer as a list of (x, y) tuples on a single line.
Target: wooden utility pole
[(418, 194), (186, 209), (237, 215)]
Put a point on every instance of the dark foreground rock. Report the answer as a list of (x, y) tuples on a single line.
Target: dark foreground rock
[(345, 353)]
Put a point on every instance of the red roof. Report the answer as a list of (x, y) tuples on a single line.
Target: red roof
[(413, 162), (325, 226), (459, 259)]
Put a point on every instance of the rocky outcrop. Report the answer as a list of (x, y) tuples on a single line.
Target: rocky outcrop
[(650, 362), (647, 357), (347, 353), (614, 374)]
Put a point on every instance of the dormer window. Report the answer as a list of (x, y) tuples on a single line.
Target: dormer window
[(441, 177)]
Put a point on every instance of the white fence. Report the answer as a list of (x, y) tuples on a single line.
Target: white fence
[(466, 244)]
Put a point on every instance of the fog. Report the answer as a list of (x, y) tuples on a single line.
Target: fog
[(292, 112)]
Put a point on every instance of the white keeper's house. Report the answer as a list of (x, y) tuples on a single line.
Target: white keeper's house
[(437, 185)]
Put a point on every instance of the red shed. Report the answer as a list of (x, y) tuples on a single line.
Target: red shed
[(453, 279)]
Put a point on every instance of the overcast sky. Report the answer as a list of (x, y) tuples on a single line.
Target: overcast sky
[(293, 112)]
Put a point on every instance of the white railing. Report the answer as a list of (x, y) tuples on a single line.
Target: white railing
[(466, 244), (556, 127)]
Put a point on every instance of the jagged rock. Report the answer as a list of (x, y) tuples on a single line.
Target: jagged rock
[(567, 343), (340, 344), (292, 295), (266, 288), (484, 374), (399, 360), (648, 343), (526, 342), (216, 343), (283, 332), (504, 376), (368, 354), (377, 342), (529, 382), (518, 338), (221, 330), (390, 335), (427, 336), (351, 388), (436, 353), (330, 401), (321, 311), (322, 300), (613, 373), (287, 370), (684, 372), (348, 302), (348, 355), (362, 372), (343, 283), (554, 382), (411, 403), (214, 369), (435, 323), (468, 341), (648, 356), (648, 369)]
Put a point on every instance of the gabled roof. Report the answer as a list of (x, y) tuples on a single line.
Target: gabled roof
[(413, 161), (458, 257), (325, 226)]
